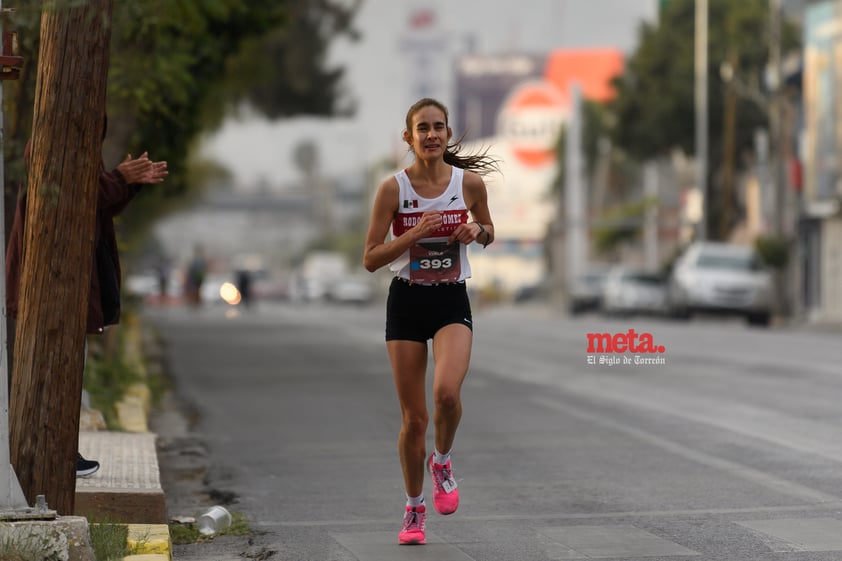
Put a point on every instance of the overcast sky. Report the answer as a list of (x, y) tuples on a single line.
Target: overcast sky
[(383, 76)]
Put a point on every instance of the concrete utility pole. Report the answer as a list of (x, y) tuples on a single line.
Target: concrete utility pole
[(778, 153), (701, 82), (12, 502), (775, 111), (574, 201), (69, 113), (651, 191)]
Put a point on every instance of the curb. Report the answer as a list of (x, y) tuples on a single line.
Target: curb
[(151, 542)]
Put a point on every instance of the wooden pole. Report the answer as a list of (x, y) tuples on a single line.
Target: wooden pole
[(58, 248)]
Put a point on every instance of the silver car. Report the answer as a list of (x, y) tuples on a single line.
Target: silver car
[(721, 278), (632, 290)]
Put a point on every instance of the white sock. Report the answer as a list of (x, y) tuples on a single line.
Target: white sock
[(441, 459), (415, 501)]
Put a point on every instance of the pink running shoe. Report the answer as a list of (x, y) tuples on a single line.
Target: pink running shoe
[(445, 493), (412, 532)]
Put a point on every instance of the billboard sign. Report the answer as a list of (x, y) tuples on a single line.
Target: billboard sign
[(822, 136), (531, 121)]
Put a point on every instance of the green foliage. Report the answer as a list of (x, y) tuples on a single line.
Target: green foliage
[(655, 106), (621, 224), (177, 68), (108, 376), (109, 541), (282, 73), (773, 250), (596, 123)]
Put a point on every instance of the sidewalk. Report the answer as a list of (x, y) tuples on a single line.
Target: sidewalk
[(127, 488)]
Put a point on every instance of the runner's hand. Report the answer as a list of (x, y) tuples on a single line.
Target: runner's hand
[(429, 223), (465, 233)]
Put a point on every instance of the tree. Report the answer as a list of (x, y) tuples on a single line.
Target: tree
[(282, 73), (178, 67), (59, 230), (654, 106)]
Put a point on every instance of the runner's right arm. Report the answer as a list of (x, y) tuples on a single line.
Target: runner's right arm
[(378, 251)]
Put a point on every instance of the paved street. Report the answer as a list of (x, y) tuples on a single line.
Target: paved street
[(729, 450)]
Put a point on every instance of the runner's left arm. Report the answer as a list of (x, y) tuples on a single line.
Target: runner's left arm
[(481, 230)]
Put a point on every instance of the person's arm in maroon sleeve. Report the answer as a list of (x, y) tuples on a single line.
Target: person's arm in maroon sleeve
[(118, 187)]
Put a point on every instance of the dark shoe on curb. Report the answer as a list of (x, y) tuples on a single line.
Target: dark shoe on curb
[(84, 467)]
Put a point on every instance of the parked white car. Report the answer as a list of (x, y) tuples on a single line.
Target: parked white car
[(630, 290), (721, 278), (353, 289)]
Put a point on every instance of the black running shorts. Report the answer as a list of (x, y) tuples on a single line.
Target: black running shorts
[(415, 312)]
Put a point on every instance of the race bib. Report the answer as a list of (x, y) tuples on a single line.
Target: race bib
[(434, 262)]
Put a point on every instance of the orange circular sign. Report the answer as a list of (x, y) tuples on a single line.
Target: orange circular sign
[(531, 121)]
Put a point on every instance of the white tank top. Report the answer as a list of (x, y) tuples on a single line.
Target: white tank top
[(432, 260)]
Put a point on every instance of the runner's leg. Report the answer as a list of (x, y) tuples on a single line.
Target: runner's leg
[(452, 355), (409, 368)]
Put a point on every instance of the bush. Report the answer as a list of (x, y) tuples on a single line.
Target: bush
[(109, 541), (773, 250)]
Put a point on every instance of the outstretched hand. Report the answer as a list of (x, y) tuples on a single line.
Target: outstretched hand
[(142, 169)]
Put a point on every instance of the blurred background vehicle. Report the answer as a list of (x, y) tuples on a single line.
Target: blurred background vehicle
[(143, 284), (586, 290), (720, 278), (211, 292), (535, 292), (353, 289), (631, 290), (319, 271)]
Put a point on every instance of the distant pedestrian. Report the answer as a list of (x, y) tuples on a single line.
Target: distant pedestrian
[(244, 286), (162, 272), (196, 272), (115, 190), (426, 207)]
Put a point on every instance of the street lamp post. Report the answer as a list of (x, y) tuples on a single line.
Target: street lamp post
[(701, 98)]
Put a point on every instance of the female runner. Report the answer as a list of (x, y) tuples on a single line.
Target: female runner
[(426, 207)]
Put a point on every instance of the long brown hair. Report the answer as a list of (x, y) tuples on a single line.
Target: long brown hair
[(481, 162)]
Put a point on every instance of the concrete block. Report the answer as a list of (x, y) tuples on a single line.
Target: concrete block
[(122, 506), (65, 537), (127, 487)]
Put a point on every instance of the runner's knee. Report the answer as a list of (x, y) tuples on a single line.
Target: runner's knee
[(415, 423), (446, 399)]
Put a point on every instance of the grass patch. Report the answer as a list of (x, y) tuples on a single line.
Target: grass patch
[(189, 533), (107, 378), (109, 373), (109, 541)]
